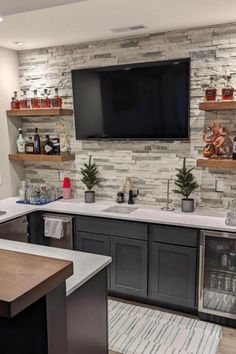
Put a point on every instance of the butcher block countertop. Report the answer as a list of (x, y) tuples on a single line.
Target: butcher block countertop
[(24, 278)]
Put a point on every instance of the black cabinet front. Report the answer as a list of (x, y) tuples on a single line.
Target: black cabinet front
[(172, 275), (129, 266)]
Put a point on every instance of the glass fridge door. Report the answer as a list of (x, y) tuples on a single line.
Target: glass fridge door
[(217, 288)]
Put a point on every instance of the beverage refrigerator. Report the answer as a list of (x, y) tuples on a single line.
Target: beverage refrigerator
[(217, 277)]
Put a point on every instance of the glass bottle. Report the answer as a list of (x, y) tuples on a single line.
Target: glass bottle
[(37, 148), (234, 149), (24, 102), (56, 100), (35, 101), (20, 143), (210, 92), (56, 145), (64, 144), (48, 146), (45, 101), (29, 146), (13, 103), (16, 103), (228, 90)]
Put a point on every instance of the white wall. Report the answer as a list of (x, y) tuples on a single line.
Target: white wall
[(9, 82)]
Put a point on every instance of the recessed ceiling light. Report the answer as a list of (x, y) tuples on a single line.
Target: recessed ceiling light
[(19, 43), (1, 19)]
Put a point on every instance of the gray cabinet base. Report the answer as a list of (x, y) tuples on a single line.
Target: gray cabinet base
[(87, 317)]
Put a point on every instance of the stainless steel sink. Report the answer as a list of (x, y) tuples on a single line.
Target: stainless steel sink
[(2, 212), (120, 209)]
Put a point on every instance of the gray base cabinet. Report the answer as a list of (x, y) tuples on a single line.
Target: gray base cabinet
[(172, 274), (94, 243), (129, 266)]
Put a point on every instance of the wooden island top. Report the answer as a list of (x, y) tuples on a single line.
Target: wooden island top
[(25, 278)]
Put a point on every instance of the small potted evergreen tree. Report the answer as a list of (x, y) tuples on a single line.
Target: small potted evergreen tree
[(186, 184), (89, 178)]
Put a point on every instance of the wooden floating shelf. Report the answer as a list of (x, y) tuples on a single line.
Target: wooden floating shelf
[(217, 106), (216, 163), (41, 158), (40, 112)]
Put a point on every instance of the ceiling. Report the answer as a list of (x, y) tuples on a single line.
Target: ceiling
[(89, 20)]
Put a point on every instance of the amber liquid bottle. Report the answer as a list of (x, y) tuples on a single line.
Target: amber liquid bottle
[(228, 90), (57, 100), (35, 101), (210, 92)]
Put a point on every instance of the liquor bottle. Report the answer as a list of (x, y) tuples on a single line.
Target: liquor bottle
[(20, 143), (29, 146), (25, 102), (45, 101), (35, 101), (56, 145), (48, 146), (37, 148), (210, 92), (228, 90), (15, 103), (64, 144), (234, 149), (56, 100)]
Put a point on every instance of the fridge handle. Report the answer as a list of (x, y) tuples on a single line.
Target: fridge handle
[(201, 275)]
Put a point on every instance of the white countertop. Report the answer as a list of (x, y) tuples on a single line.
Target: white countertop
[(86, 265), (200, 219)]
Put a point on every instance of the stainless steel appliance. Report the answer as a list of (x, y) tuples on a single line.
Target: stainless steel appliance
[(15, 230), (217, 274), (67, 240)]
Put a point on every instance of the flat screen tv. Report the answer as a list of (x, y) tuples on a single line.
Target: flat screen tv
[(139, 101)]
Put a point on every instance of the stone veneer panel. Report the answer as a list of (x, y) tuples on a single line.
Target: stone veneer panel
[(149, 164)]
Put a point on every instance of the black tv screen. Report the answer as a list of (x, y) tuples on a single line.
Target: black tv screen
[(140, 101)]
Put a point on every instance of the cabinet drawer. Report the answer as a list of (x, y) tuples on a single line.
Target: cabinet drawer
[(112, 227), (182, 236)]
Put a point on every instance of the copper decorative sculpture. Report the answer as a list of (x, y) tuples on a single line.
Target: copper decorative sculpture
[(219, 143)]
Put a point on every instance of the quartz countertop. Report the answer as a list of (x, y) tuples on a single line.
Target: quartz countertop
[(200, 219), (85, 265)]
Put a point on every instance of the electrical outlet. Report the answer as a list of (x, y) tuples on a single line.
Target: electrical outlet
[(61, 176), (219, 185)]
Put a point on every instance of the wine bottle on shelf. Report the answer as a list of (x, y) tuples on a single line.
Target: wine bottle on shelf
[(25, 101), (210, 92), (37, 143), (45, 100), (29, 146), (15, 103), (64, 143), (228, 90), (234, 149), (35, 101), (48, 146), (56, 100), (20, 143), (56, 145)]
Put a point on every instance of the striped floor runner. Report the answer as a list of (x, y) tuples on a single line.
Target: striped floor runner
[(140, 330)]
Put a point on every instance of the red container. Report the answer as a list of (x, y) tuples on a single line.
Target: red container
[(66, 183)]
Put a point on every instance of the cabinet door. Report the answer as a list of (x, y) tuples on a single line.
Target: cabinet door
[(172, 274), (129, 266), (93, 243)]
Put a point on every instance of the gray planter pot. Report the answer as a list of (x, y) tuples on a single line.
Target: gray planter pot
[(187, 205), (89, 197)]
